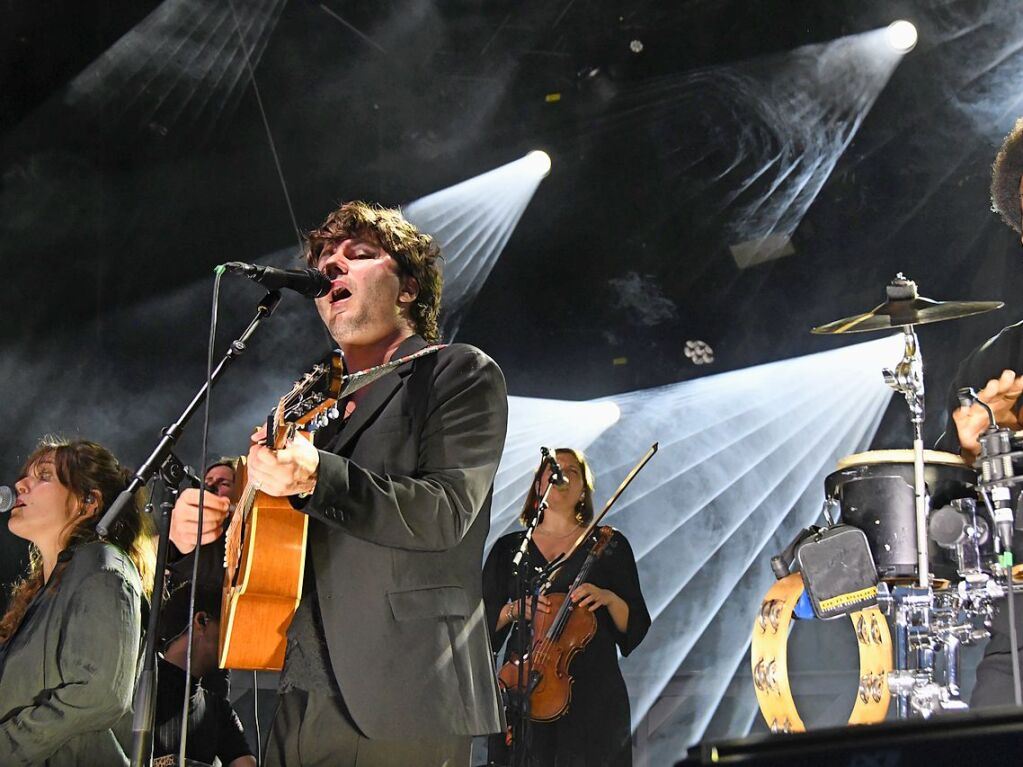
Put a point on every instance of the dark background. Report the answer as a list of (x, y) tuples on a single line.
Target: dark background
[(135, 155)]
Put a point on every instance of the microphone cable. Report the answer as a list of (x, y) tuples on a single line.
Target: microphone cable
[(211, 343)]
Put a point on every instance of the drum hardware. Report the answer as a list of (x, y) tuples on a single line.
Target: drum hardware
[(999, 450), (931, 625), (908, 380), (904, 308), (930, 629), (781, 563)]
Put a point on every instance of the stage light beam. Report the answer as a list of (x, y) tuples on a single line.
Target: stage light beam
[(472, 222)]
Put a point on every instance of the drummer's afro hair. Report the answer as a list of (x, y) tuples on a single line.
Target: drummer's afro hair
[(1005, 177)]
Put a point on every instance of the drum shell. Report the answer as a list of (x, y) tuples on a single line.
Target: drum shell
[(878, 499)]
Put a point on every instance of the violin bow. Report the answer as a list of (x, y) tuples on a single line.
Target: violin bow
[(607, 507)]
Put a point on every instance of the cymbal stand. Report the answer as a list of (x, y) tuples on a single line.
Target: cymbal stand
[(914, 656), (929, 631), (907, 378)]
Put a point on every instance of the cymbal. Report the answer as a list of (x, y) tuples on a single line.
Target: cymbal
[(905, 307)]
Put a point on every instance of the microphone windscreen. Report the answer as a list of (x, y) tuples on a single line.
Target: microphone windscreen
[(7, 498), (947, 527)]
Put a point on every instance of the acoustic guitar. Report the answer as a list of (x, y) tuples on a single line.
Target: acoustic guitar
[(265, 543)]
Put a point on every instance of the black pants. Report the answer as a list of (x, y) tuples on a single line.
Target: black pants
[(994, 672), (994, 682), (311, 730)]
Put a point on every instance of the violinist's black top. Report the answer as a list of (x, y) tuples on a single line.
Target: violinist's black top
[(596, 731)]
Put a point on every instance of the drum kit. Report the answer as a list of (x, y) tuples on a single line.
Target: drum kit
[(939, 533)]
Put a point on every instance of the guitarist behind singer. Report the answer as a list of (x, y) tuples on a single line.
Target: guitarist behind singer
[(388, 654)]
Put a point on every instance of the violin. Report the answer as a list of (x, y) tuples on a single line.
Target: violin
[(557, 637)]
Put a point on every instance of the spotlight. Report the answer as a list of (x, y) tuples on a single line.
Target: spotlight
[(902, 36), (541, 160), (471, 222), (699, 352)]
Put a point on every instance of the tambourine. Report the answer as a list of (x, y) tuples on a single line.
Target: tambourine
[(769, 659)]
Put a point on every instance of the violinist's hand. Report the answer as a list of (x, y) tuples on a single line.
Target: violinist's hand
[(589, 596), (541, 604), (185, 516), (288, 471), (510, 612), (1000, 394)]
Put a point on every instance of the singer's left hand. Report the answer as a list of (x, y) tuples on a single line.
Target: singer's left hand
[(288, 471)]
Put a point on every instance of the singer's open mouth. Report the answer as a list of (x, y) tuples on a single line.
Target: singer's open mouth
[(340, 295)]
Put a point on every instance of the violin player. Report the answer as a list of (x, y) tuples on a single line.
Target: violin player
[(595, 731)]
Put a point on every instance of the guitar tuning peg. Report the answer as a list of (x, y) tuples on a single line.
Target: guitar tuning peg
[(333, 412)]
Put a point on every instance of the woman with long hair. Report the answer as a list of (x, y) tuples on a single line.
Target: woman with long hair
[(596, 729), (71, 636)]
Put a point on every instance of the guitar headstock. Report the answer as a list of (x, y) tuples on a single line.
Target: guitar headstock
[(310, 404)]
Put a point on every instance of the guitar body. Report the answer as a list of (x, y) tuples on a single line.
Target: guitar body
[(265, 566), (265, 543)]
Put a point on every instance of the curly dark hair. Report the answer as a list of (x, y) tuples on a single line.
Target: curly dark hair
[(416, 253), (584, 509), (1005, 177)]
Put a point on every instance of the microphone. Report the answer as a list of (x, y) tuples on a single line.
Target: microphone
[(996, 470), (7, 499), (558, 478), (949, 527), (310, 283), (996, 466)]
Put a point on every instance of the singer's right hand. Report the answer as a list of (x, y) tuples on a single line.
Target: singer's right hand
[(185, 516), (1000, 394)]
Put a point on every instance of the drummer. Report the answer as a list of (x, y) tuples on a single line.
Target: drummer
[(999, 363)]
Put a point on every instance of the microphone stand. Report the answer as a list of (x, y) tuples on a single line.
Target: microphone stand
[(524, 635), (144, 702), (171, 472), (173, 432)]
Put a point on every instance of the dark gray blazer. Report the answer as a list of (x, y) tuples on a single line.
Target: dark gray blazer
[(400, 516), (69, 670)]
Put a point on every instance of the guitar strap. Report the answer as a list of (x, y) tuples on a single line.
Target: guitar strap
[(352, 383)]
